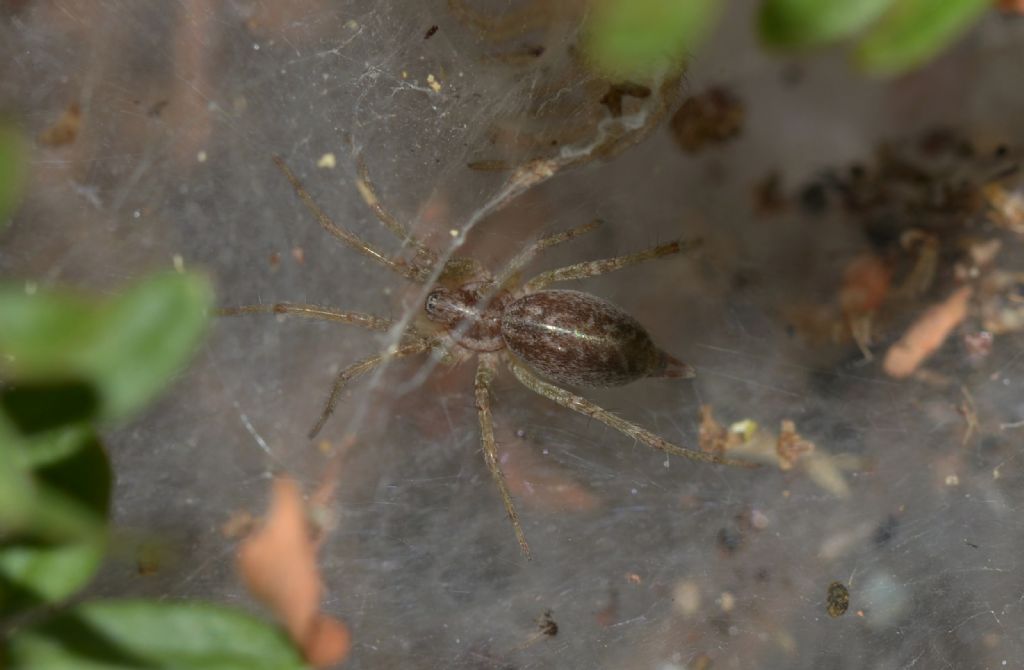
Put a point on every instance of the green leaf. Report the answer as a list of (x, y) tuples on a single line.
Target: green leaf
[(913, 31), (73, 480), (54, 550), (54, 446), (115, 635), (806, 23), (16, 489), (38, 407), (641, 40), (33, 576), (127, 348), (14, 157)]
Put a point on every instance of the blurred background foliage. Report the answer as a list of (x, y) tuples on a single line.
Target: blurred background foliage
[(69, 365), (637, 40)]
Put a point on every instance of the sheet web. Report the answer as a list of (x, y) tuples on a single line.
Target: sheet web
[(642, 562)]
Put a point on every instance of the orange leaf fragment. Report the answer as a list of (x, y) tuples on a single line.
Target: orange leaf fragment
[(278, 564), (926, 334)]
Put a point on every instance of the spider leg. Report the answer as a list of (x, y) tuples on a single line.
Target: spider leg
[(416, 273), (424, 255), (484, 374), (361, 368), (584, 406), (524, 257), (606, 265), (368, 321)]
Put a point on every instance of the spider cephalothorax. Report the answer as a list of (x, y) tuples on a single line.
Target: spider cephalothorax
[(542, 335), (471, 314)]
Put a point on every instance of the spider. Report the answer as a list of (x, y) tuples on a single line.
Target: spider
[(548, 338)]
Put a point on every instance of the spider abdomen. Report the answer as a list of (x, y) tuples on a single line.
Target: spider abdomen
[(577, 338)]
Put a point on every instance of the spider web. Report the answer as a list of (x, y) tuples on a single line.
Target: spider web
[(643, 562)]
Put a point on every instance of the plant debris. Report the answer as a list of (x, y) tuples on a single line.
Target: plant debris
[(278, 564), (65, 130), (838, 600), (943, 220), (969, 412), (788, 450), (790, 446), (927, 334), (616, 92), (713, 117)]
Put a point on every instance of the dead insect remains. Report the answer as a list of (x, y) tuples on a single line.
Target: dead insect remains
[(544, 336)]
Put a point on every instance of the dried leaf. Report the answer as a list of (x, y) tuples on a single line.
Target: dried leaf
[(926, 334), (278, 564)]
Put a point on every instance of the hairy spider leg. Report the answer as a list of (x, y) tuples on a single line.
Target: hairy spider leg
[(524, 257), (484, 374), (368, 321), (424, 254), (416, 273), (605, 265), (583, 406), (360, 368)]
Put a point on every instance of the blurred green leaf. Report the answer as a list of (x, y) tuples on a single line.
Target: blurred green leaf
[(806, 23), (127, 347), (34, 576), (73, 480), (36, 407), (115, 635), (53, 551), (642, 40), (14, 156), (16, 490), (913, 31), (53, 446)]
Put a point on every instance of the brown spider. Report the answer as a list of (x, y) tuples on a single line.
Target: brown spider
[(568, 337)]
